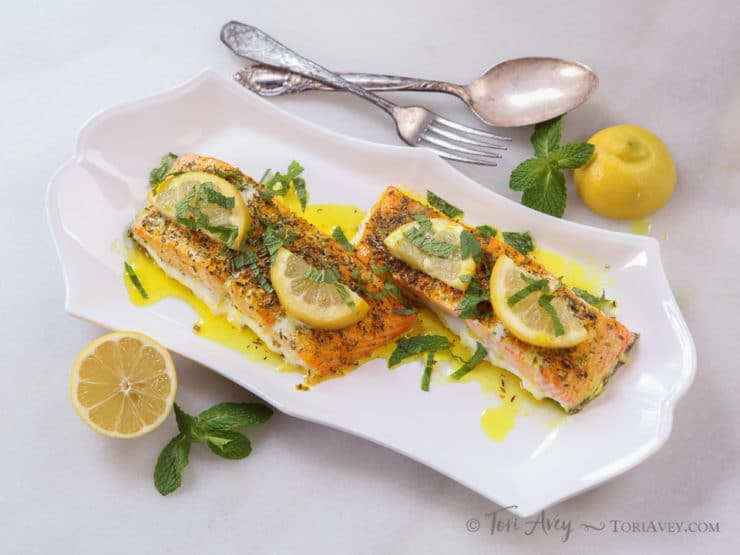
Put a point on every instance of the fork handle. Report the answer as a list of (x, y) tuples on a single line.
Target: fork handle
[(252, 43), (273, 81)]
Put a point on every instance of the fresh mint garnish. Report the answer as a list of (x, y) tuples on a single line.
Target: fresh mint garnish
[(541, 178), (443, 206), (217, 426), (135, 280), (533, 285), (470, 247), (170, 464), (330, 275), (278, 184), (544, 302), (341, 238), (599, 302), (273, 240), (248, 258), (412, 346), (474, 295), (189, 212), (487, 231), (522, 242), (431, 344), (159, 173), (478, 356), (418, 236)]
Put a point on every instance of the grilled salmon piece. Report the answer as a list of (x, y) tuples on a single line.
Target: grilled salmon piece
[(572, 376), (199, 262)]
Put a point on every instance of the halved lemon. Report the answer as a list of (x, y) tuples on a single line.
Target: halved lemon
[(527, 319), (225, 212), (450, 269), (321, 305), (123, 384)]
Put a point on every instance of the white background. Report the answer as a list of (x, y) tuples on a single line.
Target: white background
[(670, 66)]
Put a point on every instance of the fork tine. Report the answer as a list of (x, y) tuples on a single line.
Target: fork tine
[(447, 145), (483, 161), (471, 130), (462, 138)]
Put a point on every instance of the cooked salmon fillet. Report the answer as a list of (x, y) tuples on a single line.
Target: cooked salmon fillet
[(199, 262), (571, 376)]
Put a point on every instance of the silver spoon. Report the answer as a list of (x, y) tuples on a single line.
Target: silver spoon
[(518, 92)]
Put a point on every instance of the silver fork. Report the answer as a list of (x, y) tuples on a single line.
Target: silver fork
[(415, 125)]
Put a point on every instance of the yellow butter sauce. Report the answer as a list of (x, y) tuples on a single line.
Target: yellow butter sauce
[(641, 227)]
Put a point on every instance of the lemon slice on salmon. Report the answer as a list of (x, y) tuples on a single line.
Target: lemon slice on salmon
[(123, 384), (204, 201), (525, 307), (315, 297), (421, 245)]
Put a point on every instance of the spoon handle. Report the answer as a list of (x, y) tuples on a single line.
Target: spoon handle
[(272, 81), (252, 43)]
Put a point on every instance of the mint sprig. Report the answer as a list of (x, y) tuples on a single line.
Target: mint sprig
[(541, 179), (159, 173), (430, 344), (278, 184), (217, 426)]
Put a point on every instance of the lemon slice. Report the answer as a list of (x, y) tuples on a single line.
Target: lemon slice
[(450, 269), (123, 384), (325, 306), (527, 319), (209, 202)]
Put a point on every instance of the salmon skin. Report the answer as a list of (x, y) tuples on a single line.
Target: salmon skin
[(571, 376), (201, 264)]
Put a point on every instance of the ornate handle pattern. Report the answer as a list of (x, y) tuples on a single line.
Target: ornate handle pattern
[(250, 42), (273, 81)]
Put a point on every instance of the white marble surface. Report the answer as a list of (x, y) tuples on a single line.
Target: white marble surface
[(670, 66)]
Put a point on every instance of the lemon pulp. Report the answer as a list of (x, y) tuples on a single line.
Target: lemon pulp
[(123, 384)]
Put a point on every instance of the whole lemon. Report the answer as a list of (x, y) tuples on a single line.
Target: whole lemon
[(630, 175)]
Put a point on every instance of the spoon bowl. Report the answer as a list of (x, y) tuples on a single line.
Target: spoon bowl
[(526, 91)]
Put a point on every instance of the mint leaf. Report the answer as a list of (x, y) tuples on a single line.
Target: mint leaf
[(544, 302), (278, 184), (601, 303), (248, 258), (159, 173), (470, 247), (170, 464), (235, 178), (487, 231), (546, 136), (412, 346), (341, 238), (417, 236), (572, 155), (188, 425), (135, 280), (550, 196), (229, 416), (474, 295), (478, 356), (272, 239), (523, 293), (443, 206), (529, 174), (229, 444), (520, 241), (426, 376)]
